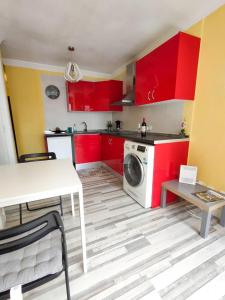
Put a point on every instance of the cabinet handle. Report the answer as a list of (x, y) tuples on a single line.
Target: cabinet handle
[(110, 141), (153, 94), (149, 95)]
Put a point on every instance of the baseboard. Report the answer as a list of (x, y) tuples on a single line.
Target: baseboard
[(88, 165)]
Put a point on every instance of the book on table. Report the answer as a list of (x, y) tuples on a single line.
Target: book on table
[(210, 196)]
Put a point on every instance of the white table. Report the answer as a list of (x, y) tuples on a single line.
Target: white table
[(21, 183)]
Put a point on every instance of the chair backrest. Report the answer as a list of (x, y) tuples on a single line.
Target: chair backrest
[(36, 157), (27, 234)]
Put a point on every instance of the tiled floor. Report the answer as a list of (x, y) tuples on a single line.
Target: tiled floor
[(135, 253)]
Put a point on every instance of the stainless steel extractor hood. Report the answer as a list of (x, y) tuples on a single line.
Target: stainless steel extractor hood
[(130, 86)]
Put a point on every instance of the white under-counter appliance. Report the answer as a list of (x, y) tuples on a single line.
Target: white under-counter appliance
[(61, 146), (138, 172)]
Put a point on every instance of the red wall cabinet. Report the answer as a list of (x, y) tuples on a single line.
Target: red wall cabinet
[(112, 152), (116, 94), (167, 161), (101, 99), (94, 96), (87, 148), (169, 71), (80, 95), (107, 92)]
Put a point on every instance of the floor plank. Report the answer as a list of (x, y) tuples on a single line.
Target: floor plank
[(134, 253)]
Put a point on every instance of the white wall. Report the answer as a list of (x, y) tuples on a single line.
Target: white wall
[(7, 145), (56, 113), (165, 117)]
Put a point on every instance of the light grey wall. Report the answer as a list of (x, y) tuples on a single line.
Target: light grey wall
[(165, 117), (56, 113)]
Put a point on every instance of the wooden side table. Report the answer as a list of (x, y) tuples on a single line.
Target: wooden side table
[(185, 191)]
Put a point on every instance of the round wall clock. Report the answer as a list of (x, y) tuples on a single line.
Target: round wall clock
[(52, 92)]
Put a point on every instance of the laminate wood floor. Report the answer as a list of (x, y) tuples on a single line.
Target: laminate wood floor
[(135, 253)]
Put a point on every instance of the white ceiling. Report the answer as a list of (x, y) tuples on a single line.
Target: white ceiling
[(106, 33)]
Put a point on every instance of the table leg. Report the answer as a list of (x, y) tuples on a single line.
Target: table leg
[(205, 225), (163, 197), (2, 218), (72, 205), (222, 218), (82, 227)]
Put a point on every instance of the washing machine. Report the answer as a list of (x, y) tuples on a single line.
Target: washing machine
[(138, 172)]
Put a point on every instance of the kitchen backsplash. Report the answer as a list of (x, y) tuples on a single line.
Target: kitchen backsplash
[(165, 117), (56, 113)]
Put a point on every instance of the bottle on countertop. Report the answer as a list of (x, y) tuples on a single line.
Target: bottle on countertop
[(74, 127), (143, 128), (183, 128), (139, 127)]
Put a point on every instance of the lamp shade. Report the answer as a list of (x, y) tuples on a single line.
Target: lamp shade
[(72, 72)]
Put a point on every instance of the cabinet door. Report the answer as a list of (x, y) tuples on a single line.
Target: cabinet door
[(101, 97), (61, 146), (87, 148), (187, 66), (156, 74), (116, 94), (146, 80), (112, 152), (107, 150), (165, 60), (118, 153), (169, 71), (167, 161), (75, 97), (88, 95), (80, 96), (107, 92)]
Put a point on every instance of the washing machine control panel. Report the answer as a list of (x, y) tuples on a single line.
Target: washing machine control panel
[(141, 148)]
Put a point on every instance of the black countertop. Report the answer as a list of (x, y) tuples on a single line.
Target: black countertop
[(150, 139), (57, 134)]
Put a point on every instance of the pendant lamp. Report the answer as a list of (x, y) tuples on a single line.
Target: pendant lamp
[(72, 71)]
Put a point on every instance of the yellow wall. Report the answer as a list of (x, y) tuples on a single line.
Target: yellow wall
[(24, 89), (207, 144)]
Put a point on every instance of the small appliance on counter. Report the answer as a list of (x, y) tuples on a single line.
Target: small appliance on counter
[(58, 130), (118, 125)]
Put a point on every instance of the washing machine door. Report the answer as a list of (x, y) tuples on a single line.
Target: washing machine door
[(133, 169)]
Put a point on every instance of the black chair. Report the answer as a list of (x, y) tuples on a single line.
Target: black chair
[(25, 158), (32, 254)]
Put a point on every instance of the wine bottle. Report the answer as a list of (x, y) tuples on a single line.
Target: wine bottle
[(143, 128)]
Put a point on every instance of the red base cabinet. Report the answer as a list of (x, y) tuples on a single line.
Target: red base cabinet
[(169, 71), (95, 147), (167, 161), (94, 96), (87, 148), (112, 152)]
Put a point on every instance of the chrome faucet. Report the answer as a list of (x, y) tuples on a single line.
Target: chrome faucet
[(85, 126)]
